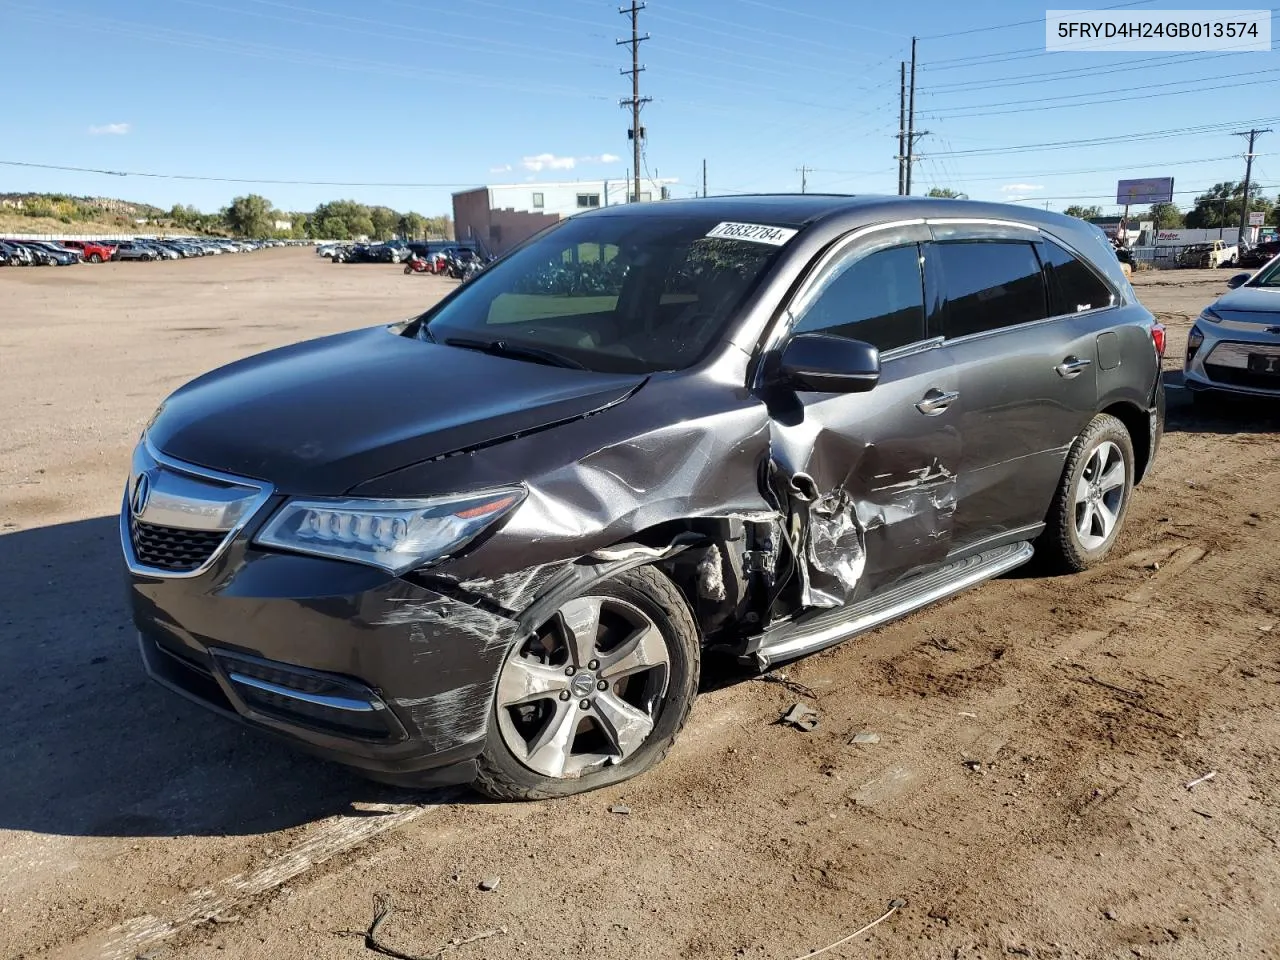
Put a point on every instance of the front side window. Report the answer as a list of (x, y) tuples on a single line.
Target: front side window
[(990, 285), (1075, 287), (610, 293), (877, 298)]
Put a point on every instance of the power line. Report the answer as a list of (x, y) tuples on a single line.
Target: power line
[(793, 12), (1005, 56), (1041, 104), (1098, 141), (1021, 23), (1022, 79), (189, 176), (1111, 196)]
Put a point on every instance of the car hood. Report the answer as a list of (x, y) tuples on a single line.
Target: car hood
[(319, 417), (1250, 305)]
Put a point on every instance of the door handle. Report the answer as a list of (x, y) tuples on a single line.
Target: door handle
[(1071, 367), (936, 401)]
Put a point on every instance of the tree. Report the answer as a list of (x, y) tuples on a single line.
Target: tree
[(384, 220), (1222, 205), (1274, 220), (332, 228), (946, 193), (250, 216), (412, 225), (1166, 216), (1083, 213)]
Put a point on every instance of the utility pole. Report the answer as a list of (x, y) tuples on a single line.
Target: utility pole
[(902, 128), (911, 121), (1248, 174), (804, 178), (636, 132), (704, 178), (913, 135)]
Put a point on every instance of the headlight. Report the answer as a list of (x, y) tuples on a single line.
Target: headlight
[(395, 535), (1194, 339)]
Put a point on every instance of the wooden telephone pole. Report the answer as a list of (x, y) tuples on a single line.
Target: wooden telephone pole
[(635, 102)]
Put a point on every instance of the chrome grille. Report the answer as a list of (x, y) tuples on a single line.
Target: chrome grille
[(177, 518), (168, 548)]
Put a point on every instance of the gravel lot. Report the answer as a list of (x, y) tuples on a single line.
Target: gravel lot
[(1026, 797)]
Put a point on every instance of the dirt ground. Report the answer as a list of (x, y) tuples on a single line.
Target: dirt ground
[(1026, 797)]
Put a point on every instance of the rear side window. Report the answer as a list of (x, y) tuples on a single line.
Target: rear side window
[(989, 285), (1073, 286), (878, 298)]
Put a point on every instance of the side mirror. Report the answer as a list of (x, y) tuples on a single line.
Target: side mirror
[(826, 364), (1239, 280)]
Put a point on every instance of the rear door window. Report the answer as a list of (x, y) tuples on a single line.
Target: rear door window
[(877, 298), (989, 285), (1073, 286)]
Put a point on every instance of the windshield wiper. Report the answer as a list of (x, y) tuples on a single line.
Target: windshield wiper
[(502, 348)]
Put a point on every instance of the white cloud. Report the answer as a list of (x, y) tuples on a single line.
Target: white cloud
[(602, 158), (111, 129), (548, 161), (1021, 187), (505, 168)]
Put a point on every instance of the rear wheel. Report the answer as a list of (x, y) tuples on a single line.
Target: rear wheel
[(95, 258), (597, 694), (1089, 508)]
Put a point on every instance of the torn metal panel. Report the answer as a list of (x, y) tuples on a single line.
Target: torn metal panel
[(836, 552)]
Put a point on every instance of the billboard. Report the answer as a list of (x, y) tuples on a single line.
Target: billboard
[(1257, 218), (1151, 190)]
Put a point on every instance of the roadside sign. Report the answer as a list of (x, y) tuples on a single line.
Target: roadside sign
[(1151, 190), (1257, 218)]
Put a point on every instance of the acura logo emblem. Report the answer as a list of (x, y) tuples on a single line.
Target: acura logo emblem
[(141, 494)]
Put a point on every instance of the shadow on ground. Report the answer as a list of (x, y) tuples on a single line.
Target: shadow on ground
[(90, 746), (1217, 413)]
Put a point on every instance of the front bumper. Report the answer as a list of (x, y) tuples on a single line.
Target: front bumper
[(372, 671), (1235, 360)]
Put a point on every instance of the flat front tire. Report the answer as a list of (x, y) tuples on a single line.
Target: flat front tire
[(1092, 499), (597, 695)]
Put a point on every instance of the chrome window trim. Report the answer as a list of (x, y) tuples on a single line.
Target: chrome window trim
[(794, 305), (265, 492), (1117, 299)]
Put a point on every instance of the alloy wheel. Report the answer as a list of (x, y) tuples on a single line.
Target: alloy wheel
[(585, 691), (1099, 495)]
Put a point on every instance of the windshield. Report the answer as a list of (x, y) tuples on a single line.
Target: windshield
[(620, 294), (1268, 276)]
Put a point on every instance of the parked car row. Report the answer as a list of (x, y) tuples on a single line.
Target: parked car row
[(396, 251), (37, 253)]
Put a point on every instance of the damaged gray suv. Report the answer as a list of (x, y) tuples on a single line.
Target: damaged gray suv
[(493, 543)]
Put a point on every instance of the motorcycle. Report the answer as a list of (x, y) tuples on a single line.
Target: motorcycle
[(416, 264)]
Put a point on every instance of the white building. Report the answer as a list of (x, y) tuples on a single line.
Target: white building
[(503, 215)]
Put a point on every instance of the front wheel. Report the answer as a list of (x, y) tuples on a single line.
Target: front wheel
[(1092, 499), (597, 694)]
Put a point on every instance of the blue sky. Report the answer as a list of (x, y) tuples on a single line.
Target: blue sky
[(438, 96)]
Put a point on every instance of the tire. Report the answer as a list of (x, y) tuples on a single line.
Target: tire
[(408, 269), (1076, 535), (95, 258), (634, 604)]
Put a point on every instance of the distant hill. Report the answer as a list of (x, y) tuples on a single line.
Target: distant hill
[(61, 213)]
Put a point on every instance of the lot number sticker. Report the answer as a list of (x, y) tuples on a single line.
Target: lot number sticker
[(754, 232)]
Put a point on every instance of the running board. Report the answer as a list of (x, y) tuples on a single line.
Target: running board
[(792, 640)]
